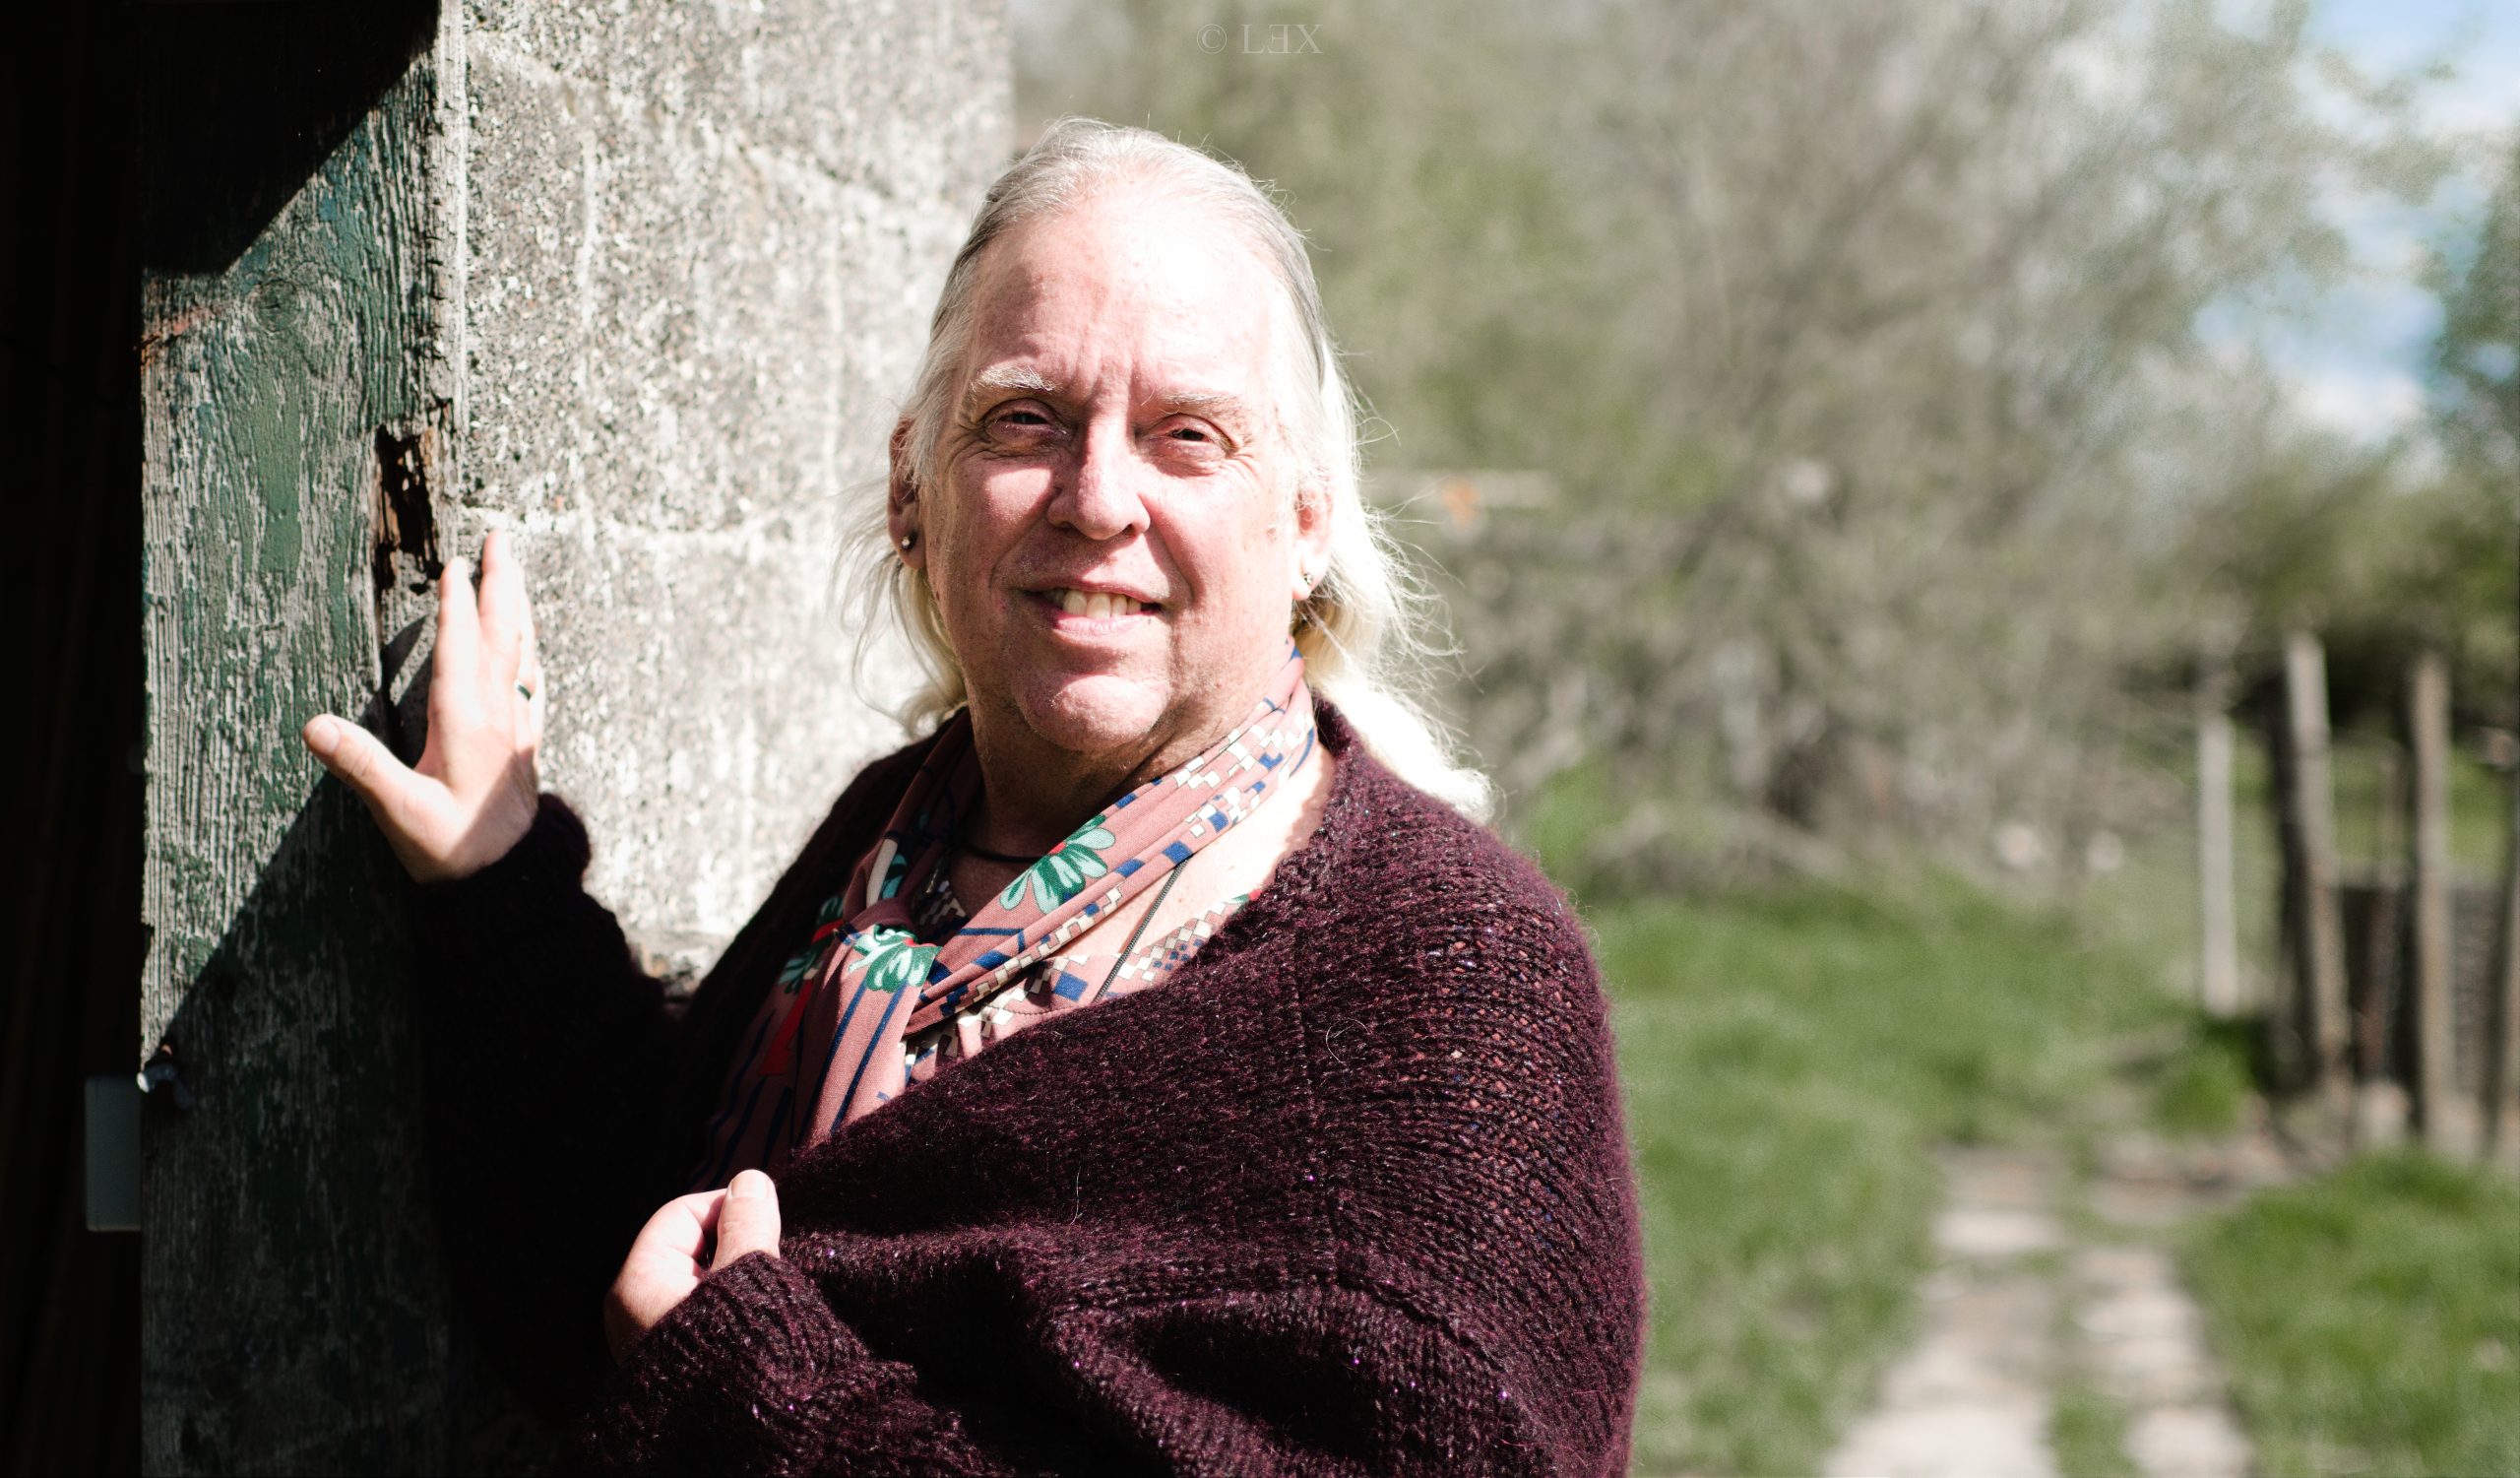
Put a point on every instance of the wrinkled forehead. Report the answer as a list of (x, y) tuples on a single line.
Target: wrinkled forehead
[(1127, 291)]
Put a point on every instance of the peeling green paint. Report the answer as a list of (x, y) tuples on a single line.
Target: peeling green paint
[(272, 429), (292, 1316)]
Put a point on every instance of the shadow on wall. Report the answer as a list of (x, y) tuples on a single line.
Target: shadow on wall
[(249, 102), (294, 1270), (309, 1270)]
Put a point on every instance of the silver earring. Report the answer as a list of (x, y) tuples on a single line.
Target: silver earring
[(908, 539)]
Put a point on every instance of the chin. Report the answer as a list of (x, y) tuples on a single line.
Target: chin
[(1091, 713)]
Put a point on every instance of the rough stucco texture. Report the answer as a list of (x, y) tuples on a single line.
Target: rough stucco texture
[(701, 245)]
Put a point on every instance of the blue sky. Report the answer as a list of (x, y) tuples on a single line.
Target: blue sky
[(2356, 355)]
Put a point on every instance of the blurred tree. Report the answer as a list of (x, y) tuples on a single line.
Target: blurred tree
[(2478, 358), (2387, 550), (2468, 586), (1860, 341)]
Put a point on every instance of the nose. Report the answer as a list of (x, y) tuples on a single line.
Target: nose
[(1097, 496)]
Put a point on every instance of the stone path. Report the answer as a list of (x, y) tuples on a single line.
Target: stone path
[(2146, 1350), (2141, 1337), (1973, 1397)]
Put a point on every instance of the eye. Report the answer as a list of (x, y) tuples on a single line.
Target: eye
[(1187, 435), (1024, 419)]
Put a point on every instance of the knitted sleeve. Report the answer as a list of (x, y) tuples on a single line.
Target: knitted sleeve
[(564, 1094), (1477, 1156), (544, 1047), (755, 1373)]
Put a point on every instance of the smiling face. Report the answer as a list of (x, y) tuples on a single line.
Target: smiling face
[(1115, 537)]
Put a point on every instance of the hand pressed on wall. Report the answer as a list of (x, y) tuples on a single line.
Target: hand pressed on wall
[(663, 1265), (473, 794)]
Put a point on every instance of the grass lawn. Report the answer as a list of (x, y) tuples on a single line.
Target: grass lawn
[(1790, 1065), (2089, 1432), (2370, 1320)]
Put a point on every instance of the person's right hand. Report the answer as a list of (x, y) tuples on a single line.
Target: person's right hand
[(664, 1262), (473, 796)]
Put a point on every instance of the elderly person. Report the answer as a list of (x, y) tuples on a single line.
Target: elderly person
[(1151, 1069)]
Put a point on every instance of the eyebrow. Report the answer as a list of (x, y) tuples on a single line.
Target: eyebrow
[(1012, 379), (1019, 379)]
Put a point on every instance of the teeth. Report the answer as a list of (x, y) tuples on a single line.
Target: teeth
[(1096, 605)]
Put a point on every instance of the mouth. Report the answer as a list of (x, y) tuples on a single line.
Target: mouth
[(1094, 604)]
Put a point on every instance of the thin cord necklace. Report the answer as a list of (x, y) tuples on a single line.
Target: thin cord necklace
[(963, 843)]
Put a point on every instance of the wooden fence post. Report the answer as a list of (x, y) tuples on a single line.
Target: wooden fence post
[(2502, 1077), (2316, 1020), (2500, 1105), (2374, 985), (2439, 1112), (2218, 977)]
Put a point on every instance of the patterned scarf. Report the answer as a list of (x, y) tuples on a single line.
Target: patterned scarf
[(856, 1016)]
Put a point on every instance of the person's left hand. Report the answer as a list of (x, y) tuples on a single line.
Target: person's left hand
[(663, 1264)]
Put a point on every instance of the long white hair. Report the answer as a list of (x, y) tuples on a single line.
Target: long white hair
[(1364, 631)]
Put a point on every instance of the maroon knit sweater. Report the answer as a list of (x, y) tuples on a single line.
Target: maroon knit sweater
[(1347, 1194)]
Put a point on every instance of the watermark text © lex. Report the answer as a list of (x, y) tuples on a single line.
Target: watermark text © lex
[(1261, 41)]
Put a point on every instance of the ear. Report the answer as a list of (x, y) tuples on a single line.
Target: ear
[(1311, 540), (900, 501)]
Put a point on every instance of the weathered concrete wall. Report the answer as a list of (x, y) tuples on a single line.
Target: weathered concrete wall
[(703, 242), (642, 287)]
